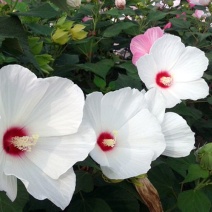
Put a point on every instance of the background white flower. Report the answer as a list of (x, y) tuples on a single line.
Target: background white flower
[(40, 135), (174, 70), (178, 136), (128, 136), (200, 2), (73, 3)]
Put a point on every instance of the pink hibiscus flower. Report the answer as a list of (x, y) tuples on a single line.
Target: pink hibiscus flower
[(141, 44)]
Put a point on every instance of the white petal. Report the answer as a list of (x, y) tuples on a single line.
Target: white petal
[(143, 131), (138, 142), (99, 156), (55, 155), (178, 136), (147, 70), (39, 185), (156, 103), (128, 163), (190, 66), (7, 183), (166, 51), (20, 91), (119, 106), (191, 90), (92, 110), (60, 110), (171, 98)]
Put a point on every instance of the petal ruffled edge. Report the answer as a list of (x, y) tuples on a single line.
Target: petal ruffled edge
[(178, 136), (55, 155), (39, 185)]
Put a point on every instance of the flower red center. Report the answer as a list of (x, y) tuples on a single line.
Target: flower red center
[(8, 137), (106, 141), (164, 79)]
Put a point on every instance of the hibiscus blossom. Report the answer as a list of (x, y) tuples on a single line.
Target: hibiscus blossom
[(178, 136), (200, 2), (141, 44), (174, 70), (128, 136), (39, 140)]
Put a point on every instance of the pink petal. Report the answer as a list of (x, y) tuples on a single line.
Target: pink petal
[(167, 26), (141, 44)]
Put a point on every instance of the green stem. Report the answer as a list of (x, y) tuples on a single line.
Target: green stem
[(13, 6), (202, 184), (81, 196)]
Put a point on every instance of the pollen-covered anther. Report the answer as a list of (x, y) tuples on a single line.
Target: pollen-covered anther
[(24, 143), (109, 142), (166, 81)]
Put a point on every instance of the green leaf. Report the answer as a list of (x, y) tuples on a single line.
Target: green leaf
[(195, 172), (17, 206), (180, 23), (43, 11), (89, 205), (184, 110), (118, 13), (67, 60), (100, 68), (113, 12), (35, 45), (156, 16), (203, 36), (40, 29), (87, 9), (21, 6), (203, 123), (117, 28), (16, 31), (193, 201), (65, 64), (163, 178), (4, 59), (99, 82), (207, 76), (208, 191), (61, 4), (88, 162), (127, 81), (180, 165), (129, 187), (117, 198), (35, 205), (84, 181), (209, 100), (12, 46), (130, 68)]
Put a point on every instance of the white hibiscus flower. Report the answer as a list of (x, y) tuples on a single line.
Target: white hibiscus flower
[(39, 140), (178, 136), (128, 136), (174, 70)]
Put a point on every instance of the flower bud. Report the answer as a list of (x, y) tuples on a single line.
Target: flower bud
[(74, 3), (120, 4), (168, 25), (147, 192), (204, 156)]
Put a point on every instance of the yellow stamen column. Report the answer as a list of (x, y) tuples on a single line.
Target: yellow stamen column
[(24, 143)]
